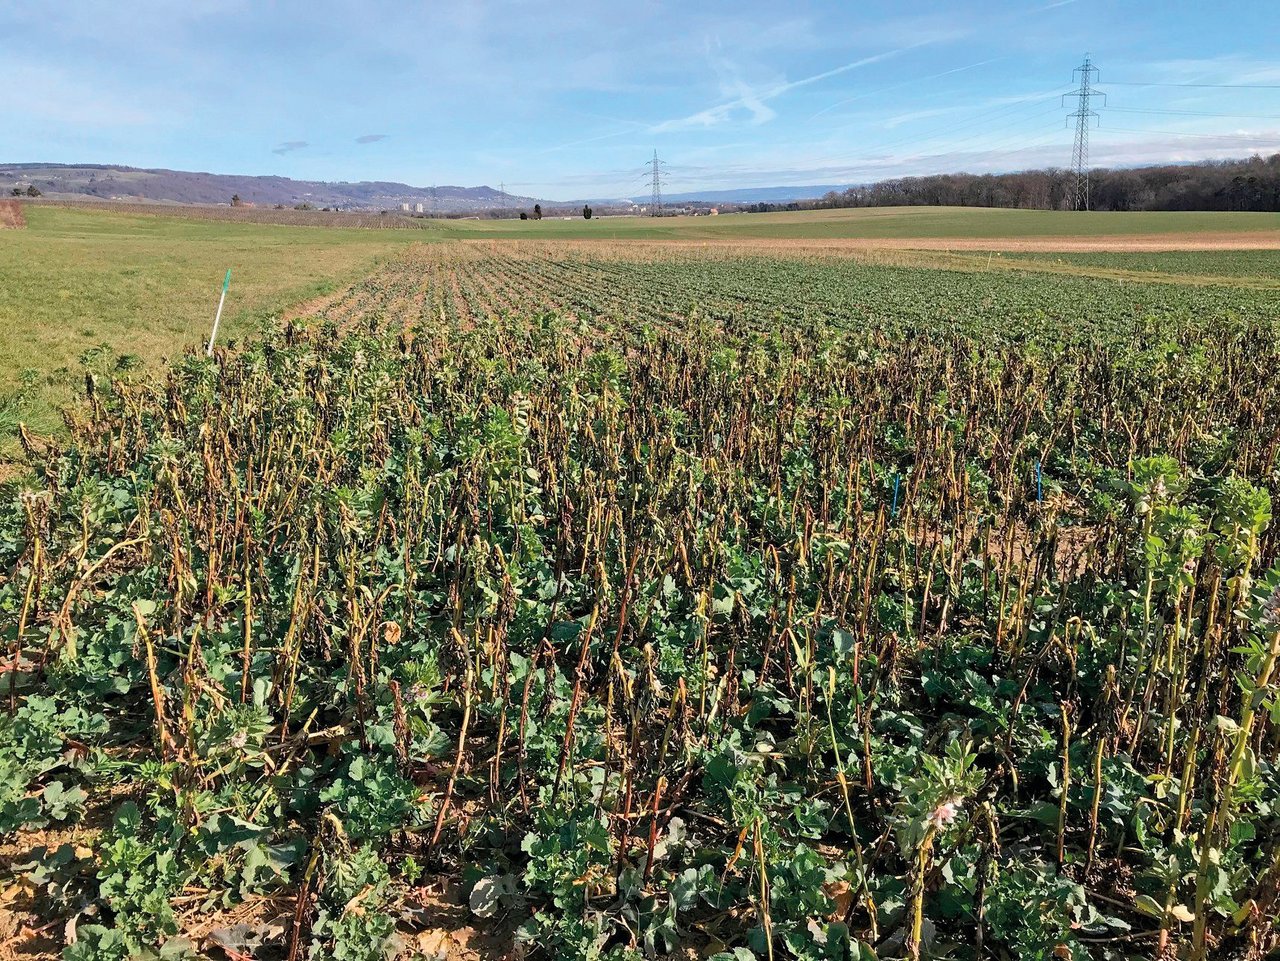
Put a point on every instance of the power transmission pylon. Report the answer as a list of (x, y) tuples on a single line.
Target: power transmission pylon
[(655, 200), (1083, 115)]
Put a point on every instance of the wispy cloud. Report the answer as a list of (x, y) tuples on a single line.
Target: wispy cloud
[(1227, 69), (914, 115), (905, 83), (985, 104), (755, 102), (371, 137), (289, 146), (760, 111), (633, 127)]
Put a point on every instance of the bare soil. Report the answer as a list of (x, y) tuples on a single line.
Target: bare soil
[(1118, 243), (11, 216), (316, 305), (1133, 243)]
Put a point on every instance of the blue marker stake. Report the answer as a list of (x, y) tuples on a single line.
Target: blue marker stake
[(1039, 485), (893, 511)]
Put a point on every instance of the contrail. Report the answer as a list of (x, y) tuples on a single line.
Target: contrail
[(711, 113), (906, 83)]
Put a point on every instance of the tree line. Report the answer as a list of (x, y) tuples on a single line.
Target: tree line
[(1252, 184)]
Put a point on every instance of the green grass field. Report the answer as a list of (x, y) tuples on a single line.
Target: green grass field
[(1237, 265), (107, 290)]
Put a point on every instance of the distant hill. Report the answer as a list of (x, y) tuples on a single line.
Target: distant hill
[(159, 185), (1248, 184), (108, 182)]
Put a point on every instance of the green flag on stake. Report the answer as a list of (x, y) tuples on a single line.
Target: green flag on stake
[(213, 334)]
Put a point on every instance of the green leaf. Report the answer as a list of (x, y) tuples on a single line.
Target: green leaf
[(61, 803), (1149, 906)]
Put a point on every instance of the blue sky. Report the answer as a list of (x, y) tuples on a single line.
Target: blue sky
[(568, 99)]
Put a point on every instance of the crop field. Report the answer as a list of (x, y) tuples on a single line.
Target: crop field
[(893, 291), (603, 600), (90, 292)]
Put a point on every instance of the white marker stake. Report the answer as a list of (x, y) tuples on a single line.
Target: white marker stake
[(218, 316)]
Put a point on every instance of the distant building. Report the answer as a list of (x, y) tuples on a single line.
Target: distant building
[(715, 211), (404, 207), (418, 209)]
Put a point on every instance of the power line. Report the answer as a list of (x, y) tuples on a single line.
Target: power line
[(898, 86), (1204, 86), (939, 133), (1257, 138), (987, 114), (1008, 113), (1083, 115), (1018, 140), (919, 145), (986, 132), (1196, 113)]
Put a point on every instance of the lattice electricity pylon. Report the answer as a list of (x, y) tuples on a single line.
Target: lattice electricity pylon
[(1083, 115), (655, 180)]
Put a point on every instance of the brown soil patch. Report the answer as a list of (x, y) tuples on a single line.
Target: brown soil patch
[(316, 305), (974, 255), (444, 929), (27, 930), (1117, 243), (1129, 243), (11, 216)]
